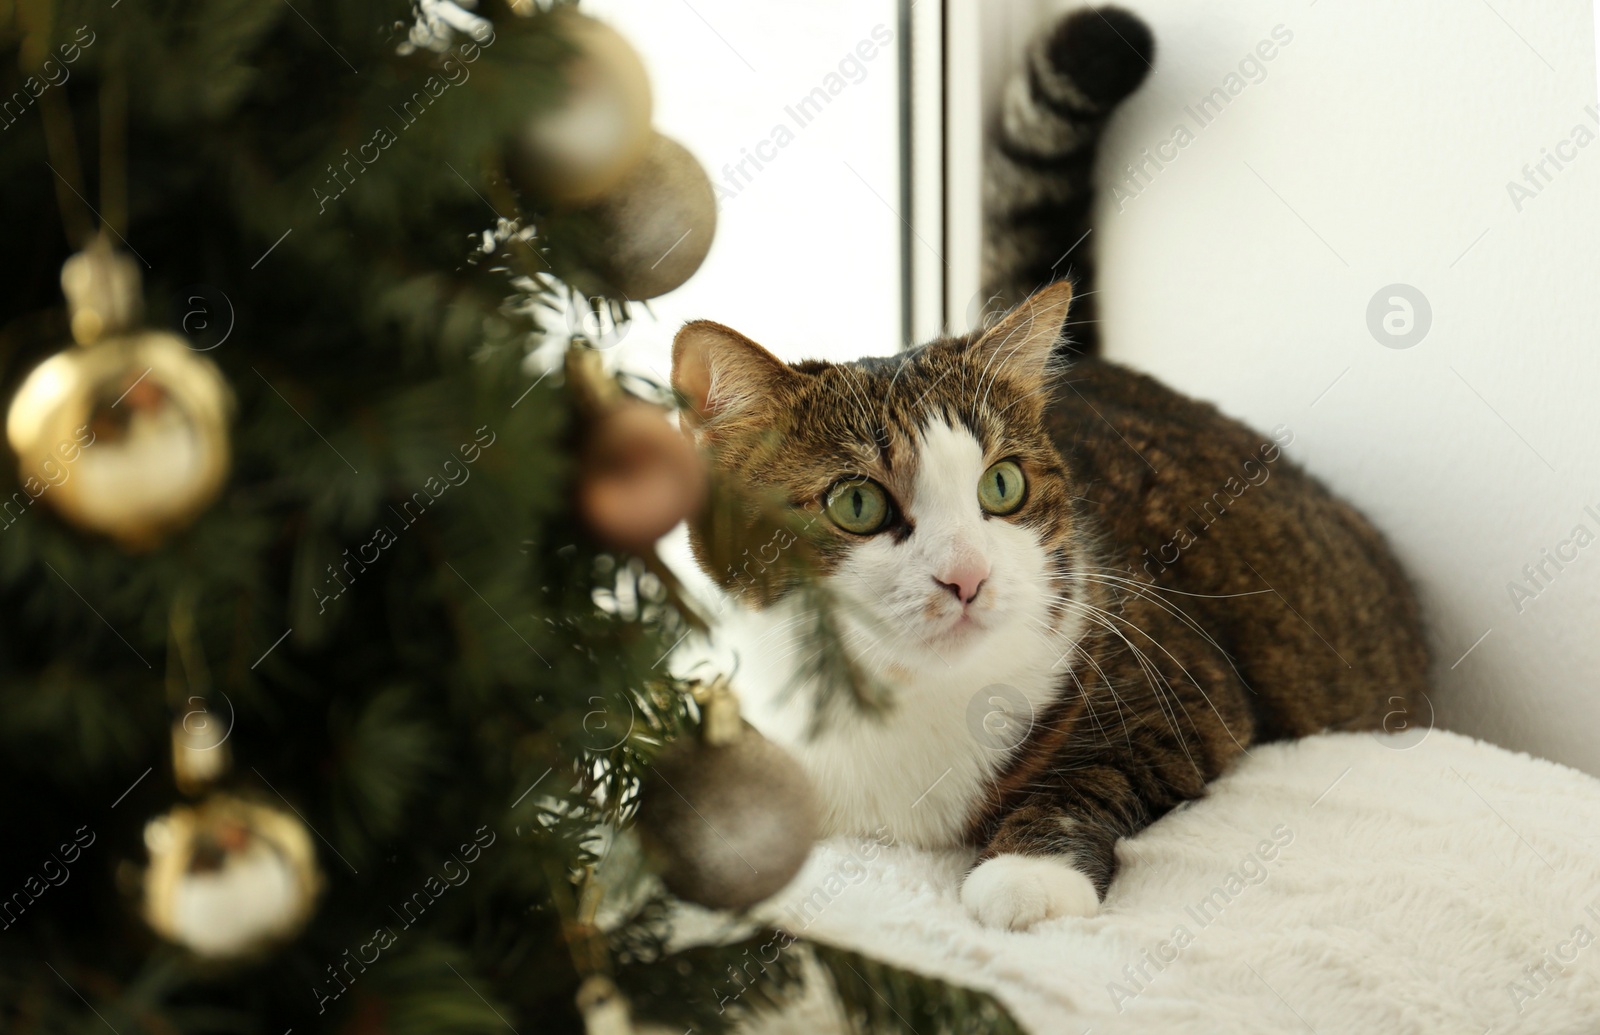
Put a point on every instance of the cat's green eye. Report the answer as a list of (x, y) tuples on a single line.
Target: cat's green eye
[(858, 505), (1002, 488)]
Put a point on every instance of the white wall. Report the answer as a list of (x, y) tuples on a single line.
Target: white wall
[(1378, 150), (806, 258)]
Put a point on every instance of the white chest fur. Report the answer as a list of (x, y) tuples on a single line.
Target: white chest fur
[(918, 772)]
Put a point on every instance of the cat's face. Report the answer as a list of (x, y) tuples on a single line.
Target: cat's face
[(943, 510)]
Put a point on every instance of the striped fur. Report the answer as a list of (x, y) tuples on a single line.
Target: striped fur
[(1038, 187), (1171, 591)]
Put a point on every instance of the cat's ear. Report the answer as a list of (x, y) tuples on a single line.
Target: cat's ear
[(1023, 342), (721, 373)]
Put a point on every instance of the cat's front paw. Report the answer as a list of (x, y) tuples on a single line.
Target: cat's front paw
[(1018, 891)]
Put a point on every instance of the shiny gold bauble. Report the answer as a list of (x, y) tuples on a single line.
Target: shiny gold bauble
[(229, 878), (599, 130), (126, 437), (639, 477), (653, 230)]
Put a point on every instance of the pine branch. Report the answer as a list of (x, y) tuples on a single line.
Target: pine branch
[(882, 999), (491, 670), (711, 988)]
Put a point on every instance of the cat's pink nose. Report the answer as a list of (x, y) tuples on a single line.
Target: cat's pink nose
[(964, 581)]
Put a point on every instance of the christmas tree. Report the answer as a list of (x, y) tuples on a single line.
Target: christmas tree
[(332, 638)]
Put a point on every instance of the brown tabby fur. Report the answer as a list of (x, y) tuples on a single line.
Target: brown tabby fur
[(1286, 614)]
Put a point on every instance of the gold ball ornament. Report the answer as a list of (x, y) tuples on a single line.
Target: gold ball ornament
[(729, 817), (639, 477), (125, 434), (652, 231), (126, 437), (229, 878), (600, 129)]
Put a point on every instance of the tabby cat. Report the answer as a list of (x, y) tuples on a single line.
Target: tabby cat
[(1089, 594)]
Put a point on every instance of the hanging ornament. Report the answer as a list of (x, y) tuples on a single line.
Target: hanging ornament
[(229, 877), (651, 231), (603, 1007), (638, 475), (605, 1011), (200, 753), (125, 434), (582, 148), (200, 730), (730, 817)]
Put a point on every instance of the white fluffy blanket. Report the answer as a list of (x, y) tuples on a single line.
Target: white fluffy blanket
[(1344, 883)]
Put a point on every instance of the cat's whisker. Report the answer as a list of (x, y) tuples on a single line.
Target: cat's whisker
[(1146, 664), (1138, 589), (1192, 680), (1105, 680), (1156, 678), (1120, 575), (1114, 617), (1153, 675)]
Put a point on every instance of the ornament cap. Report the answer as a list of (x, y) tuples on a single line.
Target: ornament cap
[(720, 723), (604, 1009), (200, 752), (593, 389), (103, 291)]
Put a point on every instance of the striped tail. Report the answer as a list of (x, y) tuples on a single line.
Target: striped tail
[(1038, 174)]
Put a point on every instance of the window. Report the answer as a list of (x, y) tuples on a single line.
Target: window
[(794, 109)]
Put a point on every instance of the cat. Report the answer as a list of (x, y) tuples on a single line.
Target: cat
[(1088, 594)]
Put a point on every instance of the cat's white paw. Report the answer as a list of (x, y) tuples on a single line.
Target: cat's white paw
[(1018, 891)]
